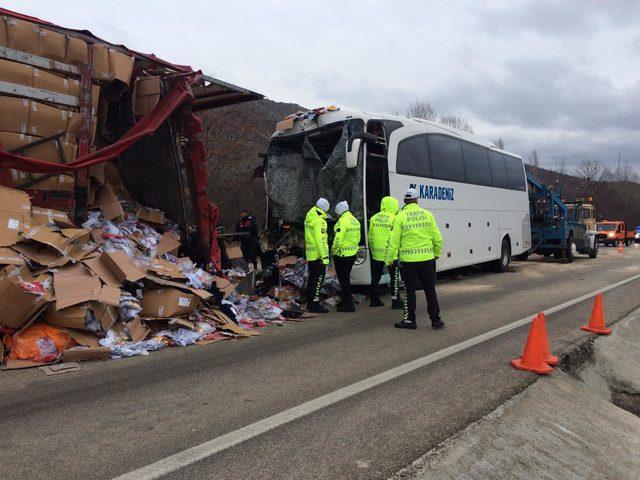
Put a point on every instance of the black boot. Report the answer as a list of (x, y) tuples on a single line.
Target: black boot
[(437, 324), (406, 324), (315, 307), (397, 304), (346, 306), (376, 302)]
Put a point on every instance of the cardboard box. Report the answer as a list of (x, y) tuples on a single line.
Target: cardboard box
[(14, 72), (18, 305), (23, 36), (164, 268), (45, 120), (285, 124), (14, 219), (100, 70), (167, 303), (49, 81), (137, 330), (57, 183), (75, 317), (74, 284), (146, 95), (233, 251), (74, 122), (120, 66), (67, 248), (224, 285), (52, 45), (109, 203), (14, 114), (77, 52), (165, 282), (10, 257), (47, 216), (169, 243), (81, 354), (98, 267), (122, 267), (73, 87), (150, 215), (4, 41), (11, 140)]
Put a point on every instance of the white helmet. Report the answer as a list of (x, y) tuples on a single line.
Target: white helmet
[(411, 194), (341, 207), (323, 204)]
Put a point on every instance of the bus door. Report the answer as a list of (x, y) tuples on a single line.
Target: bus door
[(376, 169)]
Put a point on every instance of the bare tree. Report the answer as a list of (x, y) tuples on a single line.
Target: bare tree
[(532, 159), (626, 173), (561, 167), (457, 122), (607, 175), (422, 109), (590, 169), (499, 142)]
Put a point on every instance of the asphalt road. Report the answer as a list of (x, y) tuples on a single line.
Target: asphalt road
[(114, 417)]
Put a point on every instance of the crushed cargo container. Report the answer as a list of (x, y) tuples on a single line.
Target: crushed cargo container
[(76, 110)]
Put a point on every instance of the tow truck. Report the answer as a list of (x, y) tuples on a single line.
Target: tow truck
[(560, 229)]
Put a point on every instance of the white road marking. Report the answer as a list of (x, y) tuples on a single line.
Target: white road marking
[(200, 452)]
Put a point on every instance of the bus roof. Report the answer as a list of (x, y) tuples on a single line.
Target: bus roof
[(322, 117)]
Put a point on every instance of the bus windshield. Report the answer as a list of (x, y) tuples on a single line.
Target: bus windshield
[(301, 168), (606, 227)]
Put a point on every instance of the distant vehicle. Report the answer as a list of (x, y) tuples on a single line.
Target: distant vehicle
[(560, 229), (477, 193), (637, 236), (612, 232)]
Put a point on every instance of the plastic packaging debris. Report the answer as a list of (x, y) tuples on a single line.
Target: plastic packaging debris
[(182, 336), (93, 220), (205, 328), (40, 343), (129, 307), (263, 308)]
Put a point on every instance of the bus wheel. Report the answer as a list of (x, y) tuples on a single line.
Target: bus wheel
[(502, 263)]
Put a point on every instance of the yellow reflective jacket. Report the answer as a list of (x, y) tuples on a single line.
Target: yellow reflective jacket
[(315, 235), (346, 236), (380, 228), (415, 237)]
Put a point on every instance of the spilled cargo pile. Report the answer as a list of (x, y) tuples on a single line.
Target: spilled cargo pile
[(116, 286)]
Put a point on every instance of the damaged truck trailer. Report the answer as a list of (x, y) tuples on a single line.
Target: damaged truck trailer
[(78, 113)]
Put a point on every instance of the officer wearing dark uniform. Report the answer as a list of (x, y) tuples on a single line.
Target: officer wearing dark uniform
[(249, 243)]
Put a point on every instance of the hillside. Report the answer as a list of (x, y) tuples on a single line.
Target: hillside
[(236, 135)]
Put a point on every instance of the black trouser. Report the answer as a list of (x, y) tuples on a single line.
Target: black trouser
[(377, 268), (424, 274), (250, 250), (315, 280), (343, 272)]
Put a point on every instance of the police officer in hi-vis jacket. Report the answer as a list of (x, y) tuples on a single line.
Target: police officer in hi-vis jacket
[(416, 241), (317, 252)]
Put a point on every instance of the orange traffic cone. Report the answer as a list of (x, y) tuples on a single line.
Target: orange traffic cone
[(546, 351), (596, 322), (532, 359), (620, 249)]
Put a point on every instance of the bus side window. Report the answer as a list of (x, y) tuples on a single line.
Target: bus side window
[(446, 158), (413, 157), (515, 173), (476, 163), (498, 171)]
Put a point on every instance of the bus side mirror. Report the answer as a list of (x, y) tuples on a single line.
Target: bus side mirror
[(353, 147), (352, 154)]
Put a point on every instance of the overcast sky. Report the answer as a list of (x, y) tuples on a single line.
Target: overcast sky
[(562, 77)]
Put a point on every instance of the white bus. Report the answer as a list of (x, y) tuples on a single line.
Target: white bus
[(477, 192)]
